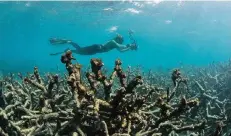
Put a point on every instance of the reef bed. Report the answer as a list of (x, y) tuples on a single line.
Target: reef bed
[(122, 103)]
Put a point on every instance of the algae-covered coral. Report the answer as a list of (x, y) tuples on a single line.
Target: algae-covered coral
[(124, 103)]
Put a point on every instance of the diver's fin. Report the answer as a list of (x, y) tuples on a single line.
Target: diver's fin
[(59, 41), (58, 53)]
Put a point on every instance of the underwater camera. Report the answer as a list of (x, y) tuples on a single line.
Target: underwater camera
[(135, 47)]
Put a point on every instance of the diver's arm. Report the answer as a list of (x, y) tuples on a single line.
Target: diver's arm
[(121, 47)]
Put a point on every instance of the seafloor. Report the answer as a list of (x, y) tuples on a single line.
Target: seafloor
[(188, 102)]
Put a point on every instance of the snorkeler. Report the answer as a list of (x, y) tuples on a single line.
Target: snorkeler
[(116, 43)]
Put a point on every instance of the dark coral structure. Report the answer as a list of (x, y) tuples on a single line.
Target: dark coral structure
[(117, 104)]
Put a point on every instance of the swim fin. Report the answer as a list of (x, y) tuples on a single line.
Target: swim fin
[(58, 41)]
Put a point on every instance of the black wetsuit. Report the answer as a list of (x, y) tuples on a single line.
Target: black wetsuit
[(88, 50)]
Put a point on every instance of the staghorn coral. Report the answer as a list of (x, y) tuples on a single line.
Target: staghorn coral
[(144, 104)]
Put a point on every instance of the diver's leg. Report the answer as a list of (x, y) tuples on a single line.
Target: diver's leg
[(90, 50), (64, 41), (58, 53), (75, 45)]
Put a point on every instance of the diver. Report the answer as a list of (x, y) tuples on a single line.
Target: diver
[(115, 43)]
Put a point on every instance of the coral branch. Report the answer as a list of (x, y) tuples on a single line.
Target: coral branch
[(140, 103)]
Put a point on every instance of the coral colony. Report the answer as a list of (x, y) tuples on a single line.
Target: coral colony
[(123, 103)]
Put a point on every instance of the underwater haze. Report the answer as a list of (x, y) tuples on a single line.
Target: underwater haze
[(169, 34)]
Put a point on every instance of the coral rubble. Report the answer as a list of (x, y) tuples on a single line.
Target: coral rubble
[(120, 103)]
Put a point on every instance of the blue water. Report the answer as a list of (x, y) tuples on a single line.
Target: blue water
[(168, 33)]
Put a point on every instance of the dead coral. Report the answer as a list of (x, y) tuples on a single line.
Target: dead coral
[(144, 104)]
